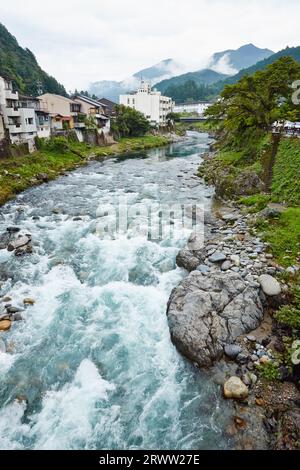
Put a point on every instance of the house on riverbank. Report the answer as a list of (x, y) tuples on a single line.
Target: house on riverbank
[(65, 113), (20, 121), (109, 106), (94, 110), (151, 103)]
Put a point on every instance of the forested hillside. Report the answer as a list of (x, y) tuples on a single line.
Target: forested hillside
[(22, 67)]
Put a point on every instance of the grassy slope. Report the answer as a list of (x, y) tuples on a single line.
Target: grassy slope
[(286, 175), (23, 170), (283, 233)]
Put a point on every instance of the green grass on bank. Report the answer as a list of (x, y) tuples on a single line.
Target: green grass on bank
[(286, 174), (283, 234), (19, 173)]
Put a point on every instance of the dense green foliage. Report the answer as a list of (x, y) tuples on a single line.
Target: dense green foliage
[(129, 123), (249, 108), (189, 91), (201, 77), (21, 66)]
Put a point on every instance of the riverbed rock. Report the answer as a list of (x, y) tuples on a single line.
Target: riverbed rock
[(207, 312), (18, 243), (28, 301), (270, 285), (226, 265), (5, 325), (187, 260), (232, 350), (235, 388), (217, 257)]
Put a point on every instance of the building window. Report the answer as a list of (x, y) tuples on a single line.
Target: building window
[(29, 121)]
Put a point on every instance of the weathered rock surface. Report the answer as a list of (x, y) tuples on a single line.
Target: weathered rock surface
[(235, 388), (269, 285), (207, 312)]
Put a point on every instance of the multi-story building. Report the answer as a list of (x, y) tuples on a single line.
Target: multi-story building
[(65, 113), (18, 115), (151, 103), (92, 108)]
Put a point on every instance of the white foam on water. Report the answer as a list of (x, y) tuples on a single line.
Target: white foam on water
[(12, 430), (69, 415)]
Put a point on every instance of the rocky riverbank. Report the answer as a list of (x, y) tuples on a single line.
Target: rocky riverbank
[(220, 317)]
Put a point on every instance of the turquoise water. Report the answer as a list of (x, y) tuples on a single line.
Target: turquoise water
[(93, 367)]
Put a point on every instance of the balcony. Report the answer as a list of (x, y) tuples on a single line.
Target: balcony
[(11, 95), (13, 112), (15, 128)]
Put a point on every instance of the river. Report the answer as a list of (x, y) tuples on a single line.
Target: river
[(92, 366)]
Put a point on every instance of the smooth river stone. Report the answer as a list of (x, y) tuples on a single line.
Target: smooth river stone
[(217, 257), (269, 285)]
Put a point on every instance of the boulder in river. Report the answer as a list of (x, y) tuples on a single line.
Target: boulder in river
[(207, 312), (235, 388), (18, 243)]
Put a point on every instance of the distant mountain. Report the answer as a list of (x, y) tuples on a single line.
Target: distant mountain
[(22, 67), (203, 77), (293, 52), (231, 61), (112, 89)]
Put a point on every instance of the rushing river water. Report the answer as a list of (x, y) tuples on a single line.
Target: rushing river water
[(93, 367)]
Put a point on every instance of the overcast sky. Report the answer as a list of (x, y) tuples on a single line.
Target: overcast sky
[(84, 41)]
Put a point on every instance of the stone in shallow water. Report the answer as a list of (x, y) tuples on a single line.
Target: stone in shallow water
[(269, 285), (235, 388)]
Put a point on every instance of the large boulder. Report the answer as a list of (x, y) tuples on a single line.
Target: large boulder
[(205, 313)]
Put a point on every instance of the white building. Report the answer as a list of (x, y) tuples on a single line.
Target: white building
[(192, 108), (151, 103)]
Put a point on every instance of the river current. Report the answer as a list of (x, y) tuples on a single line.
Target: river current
[(92, 366)]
